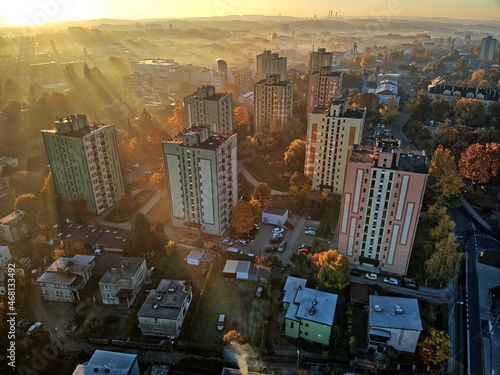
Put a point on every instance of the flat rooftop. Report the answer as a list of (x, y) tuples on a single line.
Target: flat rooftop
[(166, 301)]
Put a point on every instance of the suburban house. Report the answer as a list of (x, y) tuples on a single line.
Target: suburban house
[(121, 284), (105, 362), (394, 321), (274, 216), (164, 310), (13, 227), (64, 279), (309, 312)]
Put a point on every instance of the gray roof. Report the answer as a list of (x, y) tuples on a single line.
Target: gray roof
[(168, 298), (117, 363), (243, 266), (275, 211), (123, 268), (408, 318), (67, 271), (314, 306), (291, 286)]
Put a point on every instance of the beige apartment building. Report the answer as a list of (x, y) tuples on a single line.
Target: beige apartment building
[(331, 134), (320, 59), (201, 169), (84, 162), (380, 207), (269, 63), (324, 86), (273, 100)]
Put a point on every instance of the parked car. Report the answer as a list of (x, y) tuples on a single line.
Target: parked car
[(227, 241), (277, 235), (271, 249), (274, 240), (354, 273), (241, 241), (259, 291), (221, 322), (128, 169), (311, 228), (288, 225), (137, 165), (303, 250), (278, 230), (371, 276), (282, 246), (390, 280), (33, 327), (310, 232), (408, 284), (256, 227)]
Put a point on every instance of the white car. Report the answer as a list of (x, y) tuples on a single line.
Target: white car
[(278, 230), (33, 327), (310, 232), (241, 241), (391, 280), (221, 322), (227, 241), (277, 235)]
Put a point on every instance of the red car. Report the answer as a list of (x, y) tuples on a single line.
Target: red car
[(304, 249)]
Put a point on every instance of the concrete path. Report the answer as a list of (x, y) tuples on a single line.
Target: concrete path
[(251, 180)]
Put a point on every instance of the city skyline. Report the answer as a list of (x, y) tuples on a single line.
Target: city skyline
[(37, 12)]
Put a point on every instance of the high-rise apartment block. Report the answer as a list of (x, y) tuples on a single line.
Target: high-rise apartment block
[(201, 169), (84, 162), (270, 64), (324, 86), (383, 192), (272, 101), (319, 60), (331, 134), (488, 47), (205, 107)]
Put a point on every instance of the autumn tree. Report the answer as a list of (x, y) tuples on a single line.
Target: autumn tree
[(177, 121), (300, 189), (232, 337), (419, 106), (262, 194), (153, 138), (436, 347), (243, 217), (444, 264), (333, 270), (369, 101), (144, 237), (304, 267), (440, 109), (146, 120), (295, 155), (240, 115), (469, 112), (443, 175), (158, 179), (388, 113), (480, 162)]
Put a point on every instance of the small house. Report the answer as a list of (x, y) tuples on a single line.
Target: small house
[(274, 216)]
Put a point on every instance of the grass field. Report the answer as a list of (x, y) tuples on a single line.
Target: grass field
[(262, 172)]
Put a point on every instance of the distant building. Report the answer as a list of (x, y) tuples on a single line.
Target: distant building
[(6, 160), (247, 99), (381, 202), (121, 284), (165, 308), (201, 169), (395, 322), (114, 363), (320, 59), (272, 101), (5, 255), (331, 133), (64, 279), (270, 64), (4, 187), (138, 83), (488, 47), (13, 227), (84, 162), (310, 313), (388, 92), (324, 86), (205, 107), (237, 75), (449, 92)]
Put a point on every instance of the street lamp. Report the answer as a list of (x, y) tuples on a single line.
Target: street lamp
[(298, 353), (453, 309)]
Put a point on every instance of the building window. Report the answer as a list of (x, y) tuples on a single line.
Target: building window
[(108, 287), (110, 296), (59, 294)]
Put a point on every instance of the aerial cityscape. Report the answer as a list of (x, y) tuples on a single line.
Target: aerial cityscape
[(235, 187)]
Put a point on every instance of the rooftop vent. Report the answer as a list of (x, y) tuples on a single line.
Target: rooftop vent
[(158, 297), (315, 302), (377, 308), (96, 369), (312, 310), (399, 310), (155, 306)]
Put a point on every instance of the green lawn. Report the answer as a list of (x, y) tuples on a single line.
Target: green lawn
[(244, 187), (262, 172)]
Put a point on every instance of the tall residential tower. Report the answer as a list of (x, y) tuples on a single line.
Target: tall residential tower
[(272, 101), (201, 169), (84, 162), (383, 193), (324, 86), (270, 64)]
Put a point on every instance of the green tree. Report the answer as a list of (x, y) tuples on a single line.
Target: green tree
[(440, 109), (144, 237), (243, 217), (436, 347), (388, 113), (303, 266), (469, 112), (419, 107), (443, 175), (295, 155), (369, 101), (333, 270)]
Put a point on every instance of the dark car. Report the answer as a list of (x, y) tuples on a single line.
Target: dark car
[(274, 240), (288, 225), (355, 273), (271, 249), (408, 284)]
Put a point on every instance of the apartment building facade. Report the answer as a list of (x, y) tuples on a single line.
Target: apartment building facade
[(206, 107), (84, 162), (380, 207), (331, 134), (269, 63), (273, 100), (324, 86), (320, 59), (201, 169)]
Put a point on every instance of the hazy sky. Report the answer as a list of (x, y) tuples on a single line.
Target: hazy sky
[(33, 12)]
